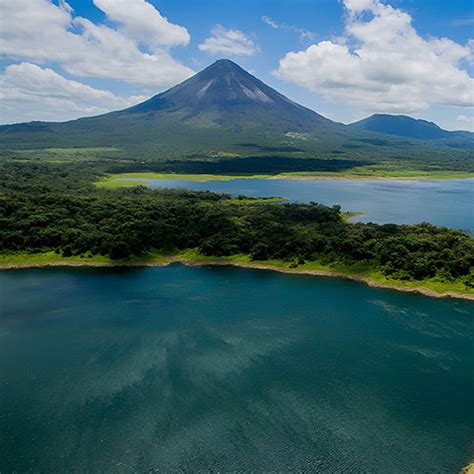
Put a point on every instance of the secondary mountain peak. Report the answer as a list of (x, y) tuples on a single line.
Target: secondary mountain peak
[(405, 126)]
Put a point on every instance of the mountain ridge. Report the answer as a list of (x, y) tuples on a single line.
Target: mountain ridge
[(406, 126)]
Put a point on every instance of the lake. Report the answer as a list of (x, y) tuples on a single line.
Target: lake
[(441, 202), (199, 368)]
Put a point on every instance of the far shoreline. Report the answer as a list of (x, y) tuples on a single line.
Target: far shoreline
[(215, 262), (121, 180)]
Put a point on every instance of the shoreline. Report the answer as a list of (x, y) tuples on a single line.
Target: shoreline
[(229, 263), (118, 180)]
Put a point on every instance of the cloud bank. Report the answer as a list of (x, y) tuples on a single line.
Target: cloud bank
[(136, 49), (381, 63), (29, 92)]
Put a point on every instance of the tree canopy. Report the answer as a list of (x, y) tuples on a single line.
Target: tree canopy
[(46, 207)]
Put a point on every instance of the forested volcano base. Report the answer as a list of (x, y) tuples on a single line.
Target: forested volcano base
[(47, 208)]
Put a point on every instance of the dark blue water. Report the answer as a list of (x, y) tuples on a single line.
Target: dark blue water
[(188, 369), (447, 203)]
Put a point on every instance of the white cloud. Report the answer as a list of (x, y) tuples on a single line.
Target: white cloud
[(40, 31), (357, 6), (382, 64), (303, 33), (143, 23), (270, 22), (228, 42), (29, 92), (466, 122)]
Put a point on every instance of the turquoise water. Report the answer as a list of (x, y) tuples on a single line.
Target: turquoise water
[(447, 203), (187, 369)]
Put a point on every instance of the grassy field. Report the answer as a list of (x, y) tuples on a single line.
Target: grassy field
[(359, 272), (123, 180), (348, 215), (51, 258), (380, 172)]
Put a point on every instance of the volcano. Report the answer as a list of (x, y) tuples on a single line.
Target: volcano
[(224, 94), (221, 112), (222, 104)]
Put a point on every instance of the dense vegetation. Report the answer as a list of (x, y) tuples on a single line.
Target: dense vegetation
[(211, 151), (46, 207)]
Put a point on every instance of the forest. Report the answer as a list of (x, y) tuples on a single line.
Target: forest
[(55, 207)]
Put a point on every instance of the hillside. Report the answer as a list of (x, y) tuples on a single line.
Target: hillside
[(405, 126)]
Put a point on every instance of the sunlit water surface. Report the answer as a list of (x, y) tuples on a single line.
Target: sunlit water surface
[(447, 203), (224, 369)]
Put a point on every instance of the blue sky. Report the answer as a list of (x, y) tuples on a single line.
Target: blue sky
[(345, 59)]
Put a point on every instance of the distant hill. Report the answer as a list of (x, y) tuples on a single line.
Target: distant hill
[(405, 126), (225, 114)]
